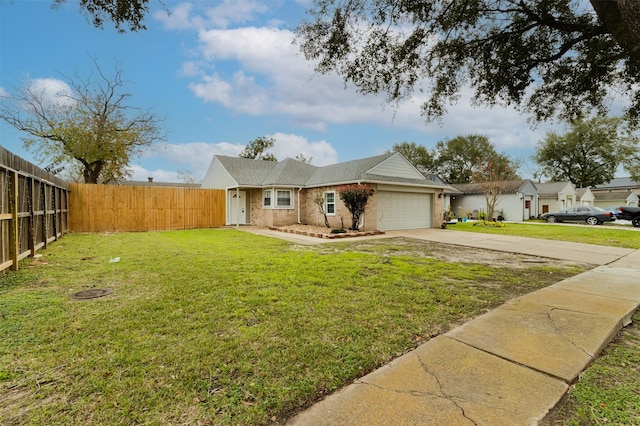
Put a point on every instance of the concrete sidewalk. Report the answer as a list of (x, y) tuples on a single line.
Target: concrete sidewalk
[(507, 367)]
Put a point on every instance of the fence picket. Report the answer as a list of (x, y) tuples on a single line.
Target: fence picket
[(115, 208), (26, 218)]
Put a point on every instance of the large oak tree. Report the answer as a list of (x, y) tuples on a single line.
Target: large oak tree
[(589, 153), (418, 155), (550, 58), (462, 158)]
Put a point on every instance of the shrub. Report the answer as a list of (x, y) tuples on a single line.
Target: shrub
[(355, 198)]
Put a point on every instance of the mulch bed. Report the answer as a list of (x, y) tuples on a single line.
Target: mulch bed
[(314, 231)]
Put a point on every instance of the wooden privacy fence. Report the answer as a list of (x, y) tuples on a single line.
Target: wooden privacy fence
[(33, 209), (115, 208)]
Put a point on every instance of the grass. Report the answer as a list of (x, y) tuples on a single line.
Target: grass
[(604, 236), (608, 392), (220, 326)]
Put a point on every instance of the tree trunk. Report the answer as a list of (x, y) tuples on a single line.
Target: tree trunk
[(622, 19)]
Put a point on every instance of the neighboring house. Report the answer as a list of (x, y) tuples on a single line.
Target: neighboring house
[(269, 193), (555, 196), (615, 198), (618, 191), (585, 197), (518, 202), (150, 182)]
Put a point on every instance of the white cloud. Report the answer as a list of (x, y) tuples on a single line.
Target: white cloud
[(269, 76), (234, 11), (179, 18), (505, 127), (4, 93), (272, 78), (223, 14), (258, 71), (196, 156), (52, 92), (287, 145), (142, 174)]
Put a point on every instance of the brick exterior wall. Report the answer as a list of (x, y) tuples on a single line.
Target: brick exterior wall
[(276, 216), (314, 217), (438, 208), (310, 214)]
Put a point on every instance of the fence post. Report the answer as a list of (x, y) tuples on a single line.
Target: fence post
[(45, 222), (33, 226), (14, 244)]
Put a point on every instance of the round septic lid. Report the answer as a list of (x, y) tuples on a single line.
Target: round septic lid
[(91, 293)]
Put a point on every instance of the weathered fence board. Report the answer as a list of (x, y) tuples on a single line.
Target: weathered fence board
[(115, 208), (33, 209), (37, 208)]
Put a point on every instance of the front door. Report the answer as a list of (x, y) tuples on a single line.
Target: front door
[(237, 207)]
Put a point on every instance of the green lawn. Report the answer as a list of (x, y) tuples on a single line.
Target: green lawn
[(627, 236), (608, 392), (221, 326)]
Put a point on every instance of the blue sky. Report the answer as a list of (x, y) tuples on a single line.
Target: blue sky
[(223, 73)]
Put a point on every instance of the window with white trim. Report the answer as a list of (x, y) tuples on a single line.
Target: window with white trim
[(330, 203), (266, 198), (283, 198)]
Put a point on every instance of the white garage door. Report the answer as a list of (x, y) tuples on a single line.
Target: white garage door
[(403, 210)]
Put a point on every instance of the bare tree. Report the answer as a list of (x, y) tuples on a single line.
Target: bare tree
[(493, 176), (187, 176), (319, 199), (87, 123)]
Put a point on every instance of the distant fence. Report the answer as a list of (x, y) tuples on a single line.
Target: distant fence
[(115, 208), (34, 209)]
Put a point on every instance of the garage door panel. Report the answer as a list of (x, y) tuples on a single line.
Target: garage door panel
[(403, 210)]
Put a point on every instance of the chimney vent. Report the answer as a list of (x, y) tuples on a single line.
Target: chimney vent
[(150, 179)]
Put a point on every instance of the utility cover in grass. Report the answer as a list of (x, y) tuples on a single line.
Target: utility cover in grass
[(92, 293)]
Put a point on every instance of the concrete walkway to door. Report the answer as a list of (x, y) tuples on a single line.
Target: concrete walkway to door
[(507, 367)]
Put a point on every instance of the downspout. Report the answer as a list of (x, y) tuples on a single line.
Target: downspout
[(237, 207), (299, 189)]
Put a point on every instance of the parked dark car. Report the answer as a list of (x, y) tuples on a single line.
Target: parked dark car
[(629, 213), (589, 214)]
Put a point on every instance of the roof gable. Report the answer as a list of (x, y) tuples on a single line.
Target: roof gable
[(246, 171), (396, 166), (552, 189)]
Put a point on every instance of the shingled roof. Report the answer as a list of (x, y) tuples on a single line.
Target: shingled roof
[(550, 189), (290, 172), (246, 171), (510, 187), (618, 183)]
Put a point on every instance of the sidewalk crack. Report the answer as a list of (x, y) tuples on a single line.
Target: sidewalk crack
[(561, 333), (443, 394)]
